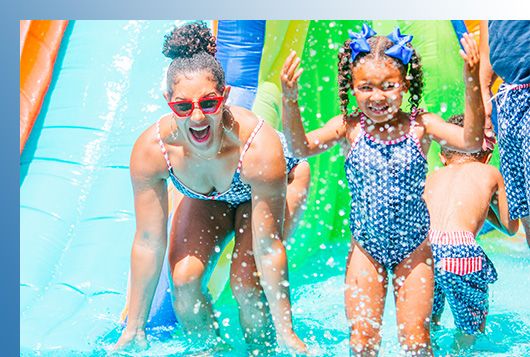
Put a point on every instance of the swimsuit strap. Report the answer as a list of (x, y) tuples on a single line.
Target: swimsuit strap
[(247, 144), (412, 133), (162, 146)]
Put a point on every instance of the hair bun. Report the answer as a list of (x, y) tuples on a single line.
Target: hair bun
[(188, 40)]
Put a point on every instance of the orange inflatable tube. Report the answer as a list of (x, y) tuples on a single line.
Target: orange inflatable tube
[(39, 46)]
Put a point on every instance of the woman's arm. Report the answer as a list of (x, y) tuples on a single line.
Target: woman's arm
[(300, 144), (470, 137), (264, 169), (149, 245)]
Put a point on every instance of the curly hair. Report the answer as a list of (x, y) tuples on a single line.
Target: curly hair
[(448, 153), (378, 45), (192, 48)]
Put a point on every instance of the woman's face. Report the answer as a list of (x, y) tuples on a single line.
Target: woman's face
[(378, 87), (198, 108)]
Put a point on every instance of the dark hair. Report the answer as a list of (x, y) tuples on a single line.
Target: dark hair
[(448, 153), (378, 46), (192, 48)]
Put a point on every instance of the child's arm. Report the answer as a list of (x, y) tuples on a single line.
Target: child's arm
[(498, 214), (300, 143), (470, 137)]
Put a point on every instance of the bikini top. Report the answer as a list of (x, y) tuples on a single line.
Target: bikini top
[(237, 193)]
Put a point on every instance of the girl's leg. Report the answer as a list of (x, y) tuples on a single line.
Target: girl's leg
[(253, 312), (366, 284), (197, 228), (413, 289)]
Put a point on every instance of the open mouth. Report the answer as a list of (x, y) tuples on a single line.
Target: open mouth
[(200, 134), (379, 109)]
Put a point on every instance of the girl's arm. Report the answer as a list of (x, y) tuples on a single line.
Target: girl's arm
[(300, 143), (149, 245), (268, 211), (498, 214), (470, 137)]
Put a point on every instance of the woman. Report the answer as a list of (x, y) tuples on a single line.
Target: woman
[(233, 175)]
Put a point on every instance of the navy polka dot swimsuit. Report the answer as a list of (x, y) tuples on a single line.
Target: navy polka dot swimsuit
[(389, 217)]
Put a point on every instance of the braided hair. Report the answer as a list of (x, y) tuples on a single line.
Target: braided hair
[(378, 45), (192, 48)]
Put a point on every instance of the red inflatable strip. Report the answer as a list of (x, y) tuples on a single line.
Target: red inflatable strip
[(39, 45)]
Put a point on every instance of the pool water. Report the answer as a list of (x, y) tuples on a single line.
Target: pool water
[(319, 318)]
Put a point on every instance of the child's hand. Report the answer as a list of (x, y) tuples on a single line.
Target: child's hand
[(470, 54), (489, 141), (289, 77)]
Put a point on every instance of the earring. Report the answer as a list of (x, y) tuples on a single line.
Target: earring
[(228, 113)]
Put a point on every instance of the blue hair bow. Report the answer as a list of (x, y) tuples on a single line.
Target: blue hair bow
[(359, 41), (400, 49)]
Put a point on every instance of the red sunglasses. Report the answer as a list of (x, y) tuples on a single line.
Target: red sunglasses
[(207, 105)]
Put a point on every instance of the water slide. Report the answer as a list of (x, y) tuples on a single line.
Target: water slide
[(77, 218)]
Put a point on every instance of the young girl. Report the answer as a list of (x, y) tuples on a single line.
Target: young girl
[(386, 169), (233, 173)]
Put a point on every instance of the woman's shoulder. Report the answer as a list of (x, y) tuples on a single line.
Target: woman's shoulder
[(148, 156), (264, 156)]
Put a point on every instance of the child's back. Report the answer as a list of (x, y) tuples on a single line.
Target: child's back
[(460, 197)]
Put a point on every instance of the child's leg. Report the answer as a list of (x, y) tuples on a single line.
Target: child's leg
[(366, 284), (413, 288)]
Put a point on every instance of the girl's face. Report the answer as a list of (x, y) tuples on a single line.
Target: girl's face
[(198, 108), (378, 87)]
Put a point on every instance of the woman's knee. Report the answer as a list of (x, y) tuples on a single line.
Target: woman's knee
[(187, 273)]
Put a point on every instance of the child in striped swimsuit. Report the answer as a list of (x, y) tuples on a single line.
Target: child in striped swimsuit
[(460, 197), (386, 168)]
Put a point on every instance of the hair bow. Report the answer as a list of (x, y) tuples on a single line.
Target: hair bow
[(359, 41), (400, 49)]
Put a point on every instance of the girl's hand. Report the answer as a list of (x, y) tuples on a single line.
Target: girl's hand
[(489, 139), (470, 54), (289, 77)]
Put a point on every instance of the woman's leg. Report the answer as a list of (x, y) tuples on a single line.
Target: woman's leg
[(366, 284), (413, 289), (254, 315), (253, 311), (197, 228)]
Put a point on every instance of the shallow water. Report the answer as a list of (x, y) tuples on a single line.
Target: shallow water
[(319, 318)]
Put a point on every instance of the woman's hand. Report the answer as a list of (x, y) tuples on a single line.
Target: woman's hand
[(131, 341), (289, 77)]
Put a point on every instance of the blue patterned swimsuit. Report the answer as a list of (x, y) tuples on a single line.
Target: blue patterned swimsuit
[(238, 192), (389, 217)]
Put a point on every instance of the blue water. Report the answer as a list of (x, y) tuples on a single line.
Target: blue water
[(318, 308)]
